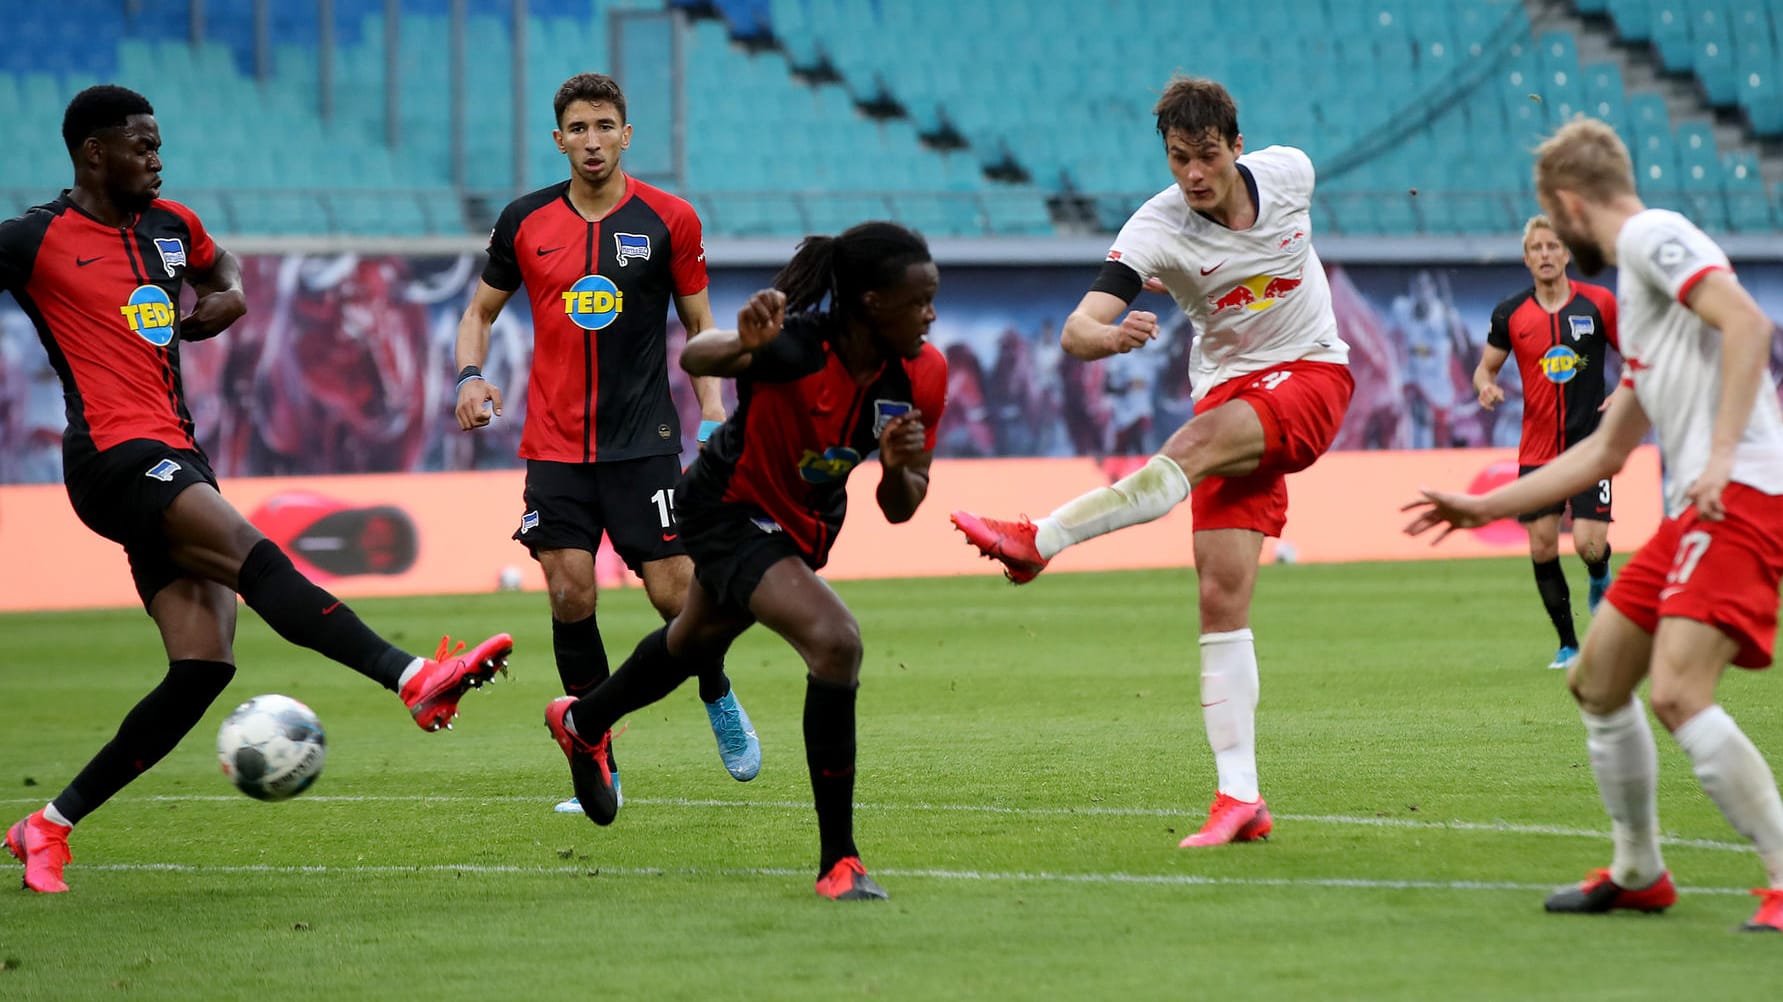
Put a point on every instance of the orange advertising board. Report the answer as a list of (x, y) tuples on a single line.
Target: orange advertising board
[(450, 533)]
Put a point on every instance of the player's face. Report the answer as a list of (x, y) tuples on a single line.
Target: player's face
[(593, 137), (130, 163), (1545, 255), (1567, 211), (902, 312), (1205, 166)]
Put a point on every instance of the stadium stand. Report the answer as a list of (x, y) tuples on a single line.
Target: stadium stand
[(801, 115)]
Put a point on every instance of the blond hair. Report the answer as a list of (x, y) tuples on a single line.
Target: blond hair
[(1537, 222), (1584, 156)]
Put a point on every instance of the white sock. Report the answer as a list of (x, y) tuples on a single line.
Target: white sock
[(408, 673), (1229, 709), (51, 814), (1626, 763), (1736, 777), (1145, 494)]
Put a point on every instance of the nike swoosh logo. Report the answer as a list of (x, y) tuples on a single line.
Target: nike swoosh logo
[(331, 608), (1214, 703), (82, 262), (1668, 593), (542, 251), (1217, 267), (669, 537)]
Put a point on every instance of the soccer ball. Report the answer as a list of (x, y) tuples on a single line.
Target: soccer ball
[(272, 747)]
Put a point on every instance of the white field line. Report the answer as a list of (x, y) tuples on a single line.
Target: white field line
[(1502, 827), (1156, 879)]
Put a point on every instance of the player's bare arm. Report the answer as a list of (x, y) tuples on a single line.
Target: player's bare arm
[(1091, 332), (695, 312), (1601, 455), (221, 301), (906, 460), (1724, 304), (479, 400), (726, 353), (1485, 376)]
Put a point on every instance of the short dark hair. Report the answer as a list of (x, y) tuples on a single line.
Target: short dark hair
[(106, 106), (842, 268), (590, 87), (1193, 107)]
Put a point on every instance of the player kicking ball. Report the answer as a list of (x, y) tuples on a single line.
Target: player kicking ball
[(1703, 591), (1231, 242)]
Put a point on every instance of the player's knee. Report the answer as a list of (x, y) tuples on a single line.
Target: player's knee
[(833, 652), (1589, 550), (572, 601), (1224, 603), (1675, 699)]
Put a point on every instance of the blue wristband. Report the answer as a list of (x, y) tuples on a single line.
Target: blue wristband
[(707, 428)]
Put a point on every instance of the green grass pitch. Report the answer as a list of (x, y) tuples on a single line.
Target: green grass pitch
[(1029, 760)]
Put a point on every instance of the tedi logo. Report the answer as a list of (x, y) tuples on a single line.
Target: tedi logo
[(831, 467), (150, 314), (1560, 364), (593, 302)]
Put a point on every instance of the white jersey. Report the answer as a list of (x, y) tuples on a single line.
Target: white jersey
[(1673, 358), (1258, 297)]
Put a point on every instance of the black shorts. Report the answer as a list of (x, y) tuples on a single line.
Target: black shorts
[(732, 546), (121, 494), (1591, 504), (569, 506)]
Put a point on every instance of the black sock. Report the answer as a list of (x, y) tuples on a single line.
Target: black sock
[(148, 733), (310, 617), (714, 684), (829, 752), (1550, 581), (1599, 568), (647, 676), (581, 657)]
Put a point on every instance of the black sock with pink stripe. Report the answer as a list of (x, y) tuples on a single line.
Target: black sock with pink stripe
[(310, 617)]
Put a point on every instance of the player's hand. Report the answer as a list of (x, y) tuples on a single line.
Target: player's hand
[(1451, 511), (211, 315), (903, 441), (1491, 395), (1705, 492), (478, 401), (759, 321), (1135, 330)]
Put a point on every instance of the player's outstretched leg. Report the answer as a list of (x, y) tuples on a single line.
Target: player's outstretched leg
[(431, 688), (581, 726), (1024, 548), (42, 845)]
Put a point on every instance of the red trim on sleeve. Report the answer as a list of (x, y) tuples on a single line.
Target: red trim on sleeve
[(687, 248), (928, 390), (203, 252), (1627, 381), (1690, 283)]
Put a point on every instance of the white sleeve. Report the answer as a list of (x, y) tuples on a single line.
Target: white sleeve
[(1142, 244), (1288, 171), (1669, 252)]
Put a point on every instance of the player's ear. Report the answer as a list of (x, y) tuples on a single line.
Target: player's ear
[(625, 137), (1238, 145)]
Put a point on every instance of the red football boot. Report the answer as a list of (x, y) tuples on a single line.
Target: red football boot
[(432, 694), (1009, 543)]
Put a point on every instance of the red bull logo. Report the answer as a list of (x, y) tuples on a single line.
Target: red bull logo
[(1254, 294)]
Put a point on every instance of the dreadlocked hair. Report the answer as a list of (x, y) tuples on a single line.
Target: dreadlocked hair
[(845, 267)]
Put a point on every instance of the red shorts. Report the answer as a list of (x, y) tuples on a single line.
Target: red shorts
[(1301, 405), (1721, 573)]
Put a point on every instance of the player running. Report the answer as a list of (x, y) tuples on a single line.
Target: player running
[(1703, 591), (601, 256), (1558, 330), (1231, 242), (99, 271), (819, 390)]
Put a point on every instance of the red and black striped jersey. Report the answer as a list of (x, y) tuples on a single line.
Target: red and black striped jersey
[(1561, 358), (802, 425), (600, 294), (106, 304)]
